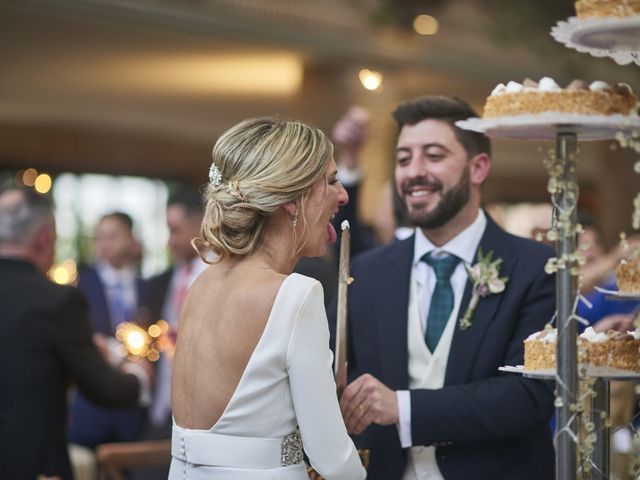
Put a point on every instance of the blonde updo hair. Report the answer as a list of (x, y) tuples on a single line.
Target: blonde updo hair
[(263, 163)]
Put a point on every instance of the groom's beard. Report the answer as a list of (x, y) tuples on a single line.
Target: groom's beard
[(450, 204)]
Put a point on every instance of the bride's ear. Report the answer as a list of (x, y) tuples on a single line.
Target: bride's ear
[(291, 208), (292, 211)]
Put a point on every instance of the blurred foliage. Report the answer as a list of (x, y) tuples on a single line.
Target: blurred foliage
[(511, 21), (517, 24), (526, 24)]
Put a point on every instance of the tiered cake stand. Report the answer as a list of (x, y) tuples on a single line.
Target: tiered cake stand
[(617, 38), (567, 130)]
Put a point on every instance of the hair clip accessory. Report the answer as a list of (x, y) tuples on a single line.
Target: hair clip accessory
[(215, 177)]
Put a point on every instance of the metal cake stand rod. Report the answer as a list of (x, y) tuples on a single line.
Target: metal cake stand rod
[(565, 217)]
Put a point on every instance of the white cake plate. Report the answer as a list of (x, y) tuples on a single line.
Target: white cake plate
[(546, 125), (617, 38), (597, 372), (617, 295)]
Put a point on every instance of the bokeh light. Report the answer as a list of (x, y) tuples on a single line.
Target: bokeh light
[(42, 183), (29, 177), (135, 342), (425, 25), (370, 79), (154, 331), (65, 273), (60, 275)]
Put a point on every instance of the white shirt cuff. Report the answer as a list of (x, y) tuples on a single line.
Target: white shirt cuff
[(404, 418), (144, 398), (349, 176)]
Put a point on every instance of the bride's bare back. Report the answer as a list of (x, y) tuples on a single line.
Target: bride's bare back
[(222, 321)]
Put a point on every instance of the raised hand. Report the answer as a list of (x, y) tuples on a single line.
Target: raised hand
[(349, 134)]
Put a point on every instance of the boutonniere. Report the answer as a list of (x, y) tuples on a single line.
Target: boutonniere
[(484, 275)]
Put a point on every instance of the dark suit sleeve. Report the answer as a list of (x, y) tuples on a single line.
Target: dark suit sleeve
[(95, 378), (152, 295), (496, 408)]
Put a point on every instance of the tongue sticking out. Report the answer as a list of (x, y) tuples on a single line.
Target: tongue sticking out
[(333, 236)]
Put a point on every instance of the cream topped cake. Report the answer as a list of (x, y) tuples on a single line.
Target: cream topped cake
[(540, 350), (607, 8), (599, 349), (613, 349), (579, 97)]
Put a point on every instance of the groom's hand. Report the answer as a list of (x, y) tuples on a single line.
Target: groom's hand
[(367, 400)]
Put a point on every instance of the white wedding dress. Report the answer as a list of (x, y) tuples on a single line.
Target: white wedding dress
[(287, 383)]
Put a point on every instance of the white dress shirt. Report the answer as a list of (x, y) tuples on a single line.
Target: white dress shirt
[(121, 292), (464, 246)]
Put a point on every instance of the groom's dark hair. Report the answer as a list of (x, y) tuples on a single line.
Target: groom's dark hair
[(448, 110)]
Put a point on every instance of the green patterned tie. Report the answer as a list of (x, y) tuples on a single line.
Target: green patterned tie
[(441, 299)]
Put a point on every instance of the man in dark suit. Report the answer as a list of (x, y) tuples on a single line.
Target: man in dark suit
[(46, 345), (426, 396), (111, 286)]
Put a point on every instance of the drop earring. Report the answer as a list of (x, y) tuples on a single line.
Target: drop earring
[(295, 219)]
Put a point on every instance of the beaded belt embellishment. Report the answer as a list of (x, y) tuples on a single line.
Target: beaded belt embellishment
[(291, 450)]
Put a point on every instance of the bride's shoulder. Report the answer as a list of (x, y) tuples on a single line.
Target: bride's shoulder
[(303, 283)]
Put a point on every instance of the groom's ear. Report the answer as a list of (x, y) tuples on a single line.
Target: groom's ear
[(291, 208)]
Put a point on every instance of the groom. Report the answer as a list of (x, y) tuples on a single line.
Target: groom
[(426, 396)]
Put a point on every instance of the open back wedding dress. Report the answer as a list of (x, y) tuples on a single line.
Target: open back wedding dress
[(287, 383)]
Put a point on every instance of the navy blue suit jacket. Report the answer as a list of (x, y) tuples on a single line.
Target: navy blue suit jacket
[(484, 424)]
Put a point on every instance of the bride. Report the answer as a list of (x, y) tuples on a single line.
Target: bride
[(252, 362)]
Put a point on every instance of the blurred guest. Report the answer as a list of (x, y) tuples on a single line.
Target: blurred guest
[(599, 270), (111, 286), (349, 135), (47, 344)]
